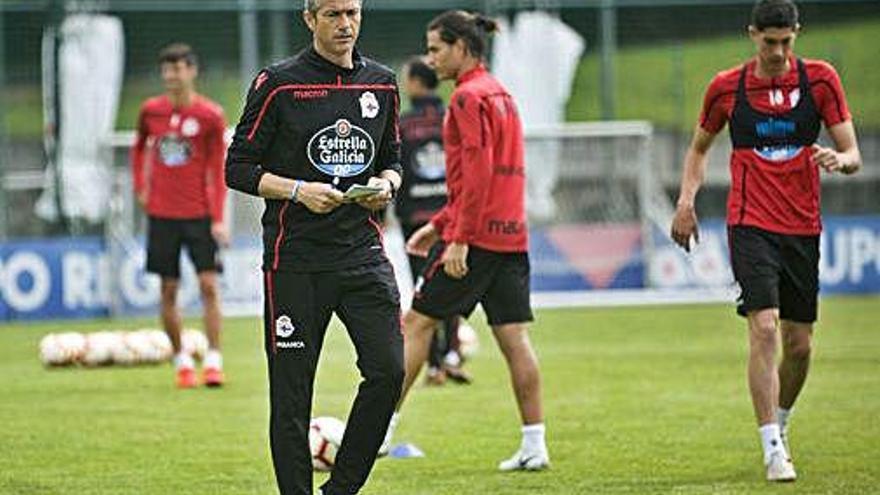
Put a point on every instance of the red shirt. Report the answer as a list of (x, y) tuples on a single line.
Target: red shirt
[(485, 168), (775, 192), (178, 159)]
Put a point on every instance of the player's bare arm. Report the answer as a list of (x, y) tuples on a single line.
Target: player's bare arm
[(318, 197), (684, 223), (421, 241), (845, 156)]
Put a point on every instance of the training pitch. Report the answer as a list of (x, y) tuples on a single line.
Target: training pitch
[(638, 400)]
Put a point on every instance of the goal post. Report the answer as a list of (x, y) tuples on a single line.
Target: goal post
[(600, 215)]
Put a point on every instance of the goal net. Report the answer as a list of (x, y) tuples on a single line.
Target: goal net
[(600, 216)]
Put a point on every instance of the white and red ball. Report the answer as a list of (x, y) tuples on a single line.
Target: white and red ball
[(325, 437)]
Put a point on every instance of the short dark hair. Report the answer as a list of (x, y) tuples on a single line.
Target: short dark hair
[(416, 68), (774, 14), (175, 52), (474, 29), (312, 5)]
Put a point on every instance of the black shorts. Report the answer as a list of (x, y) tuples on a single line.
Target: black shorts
[(166, 236), (498, 281), (776, 271)]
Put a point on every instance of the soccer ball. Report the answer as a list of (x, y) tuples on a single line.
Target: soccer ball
[(161, 343), (469, 342), (194, 343), (325, 437), (142, 346), (99, 349), (121, 353), (51, 351), (62, 349)]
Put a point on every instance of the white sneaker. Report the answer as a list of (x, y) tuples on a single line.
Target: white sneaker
[(526, 461), (384, 448), (386, 443), (783, 435), (780, 468)]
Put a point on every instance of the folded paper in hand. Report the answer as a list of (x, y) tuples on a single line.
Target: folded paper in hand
[(358, 191)]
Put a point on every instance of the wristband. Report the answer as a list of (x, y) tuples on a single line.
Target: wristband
[(296, 186)]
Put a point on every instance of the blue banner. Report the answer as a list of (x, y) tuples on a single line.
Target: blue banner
[(849, 260), (73, 278), (53, 279)]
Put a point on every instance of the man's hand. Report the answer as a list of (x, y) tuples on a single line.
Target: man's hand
[(380, 200), (142, 199), (828, 159), (319, 197), (455, 260), (684, 226), (421, 241), (220, 233)]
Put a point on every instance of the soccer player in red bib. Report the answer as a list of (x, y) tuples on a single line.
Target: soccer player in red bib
[(177, 163), (477, 245), (774, 106)]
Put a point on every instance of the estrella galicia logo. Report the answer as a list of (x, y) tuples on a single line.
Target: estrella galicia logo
[(174, 150), (341, 149), (284, 327)]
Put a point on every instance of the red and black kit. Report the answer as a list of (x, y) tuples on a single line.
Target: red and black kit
[(177, 163), (485, 173), (773, 206)]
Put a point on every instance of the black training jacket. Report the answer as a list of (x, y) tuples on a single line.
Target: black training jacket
[(307, 118), (423, 192)]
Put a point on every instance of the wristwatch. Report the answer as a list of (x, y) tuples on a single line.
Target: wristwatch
[(391, 186)]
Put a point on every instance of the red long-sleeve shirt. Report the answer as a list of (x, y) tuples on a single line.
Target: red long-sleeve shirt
[(178, 158), (485, 168)]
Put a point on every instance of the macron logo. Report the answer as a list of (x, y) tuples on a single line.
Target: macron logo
[(260, 80)]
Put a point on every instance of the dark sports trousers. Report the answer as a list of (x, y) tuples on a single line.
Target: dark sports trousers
[(167, 236), (441, 342), (298, 307), (776, 271)]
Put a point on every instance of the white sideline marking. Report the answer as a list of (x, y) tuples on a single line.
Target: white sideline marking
[(582, 299)]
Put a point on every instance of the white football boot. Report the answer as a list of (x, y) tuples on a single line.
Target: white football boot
[(526, 461), (780, 467), (783, 434), (385, 448)]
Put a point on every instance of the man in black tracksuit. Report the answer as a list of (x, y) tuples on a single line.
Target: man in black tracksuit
[(314, 125)]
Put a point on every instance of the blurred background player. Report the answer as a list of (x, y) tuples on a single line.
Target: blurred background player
[(177, 163), (422, 195), (477, 245), (774, 105)]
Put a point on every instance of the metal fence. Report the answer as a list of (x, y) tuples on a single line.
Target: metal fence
[(236, 37)]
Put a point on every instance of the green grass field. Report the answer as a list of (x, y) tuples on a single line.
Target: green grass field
[(641, 401)]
